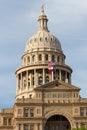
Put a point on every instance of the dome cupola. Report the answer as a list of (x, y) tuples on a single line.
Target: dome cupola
[(43, 38), (43, 20)]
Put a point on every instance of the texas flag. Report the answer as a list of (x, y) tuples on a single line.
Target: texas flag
[(51, 66)]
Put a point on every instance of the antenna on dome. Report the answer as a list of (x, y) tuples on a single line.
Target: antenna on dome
[(42, 8)]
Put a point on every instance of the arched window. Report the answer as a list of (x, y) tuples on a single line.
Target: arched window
[(40, 81), (28, 59), (28, 82), (30, 41), (35, 39), (33, 81), (46, 57), (19, 81), (47, 79), (33, 58), (51, 39), (53, 58), (46, 39), (24, 61), (40, 39), (25, 126), (24, 84), (24, 79), (46, 71), (62, 60), (58, 59), (40, 57)]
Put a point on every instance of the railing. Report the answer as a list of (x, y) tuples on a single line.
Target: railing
[(8, 110), (28, 100), (83, 100)]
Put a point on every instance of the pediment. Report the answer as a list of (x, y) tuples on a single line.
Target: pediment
[(58, 85)]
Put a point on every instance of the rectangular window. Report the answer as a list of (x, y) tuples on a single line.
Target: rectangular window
[(31, 112), (64, 95), (38, 111), (53, 58), (49, 95), (33, 81), (19, 111), (76, 110), (86, 111), (31, 127), (36, 95), (60, 95), (70, 95), (54, 96), (81, 111), (25, 126), (19, 127), (46, 57), (40, 57), (83, 125), (9, 121), (28, 83), (38, 126), (4, 121), (26, 110), (24, 84)]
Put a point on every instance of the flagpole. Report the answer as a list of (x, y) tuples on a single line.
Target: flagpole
[(52, 75), (52, 69)]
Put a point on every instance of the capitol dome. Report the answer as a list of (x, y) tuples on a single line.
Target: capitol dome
[(41, 49), (43, 38)]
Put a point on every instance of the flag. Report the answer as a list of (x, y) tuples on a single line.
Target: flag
[(51, 63), (51, 66)]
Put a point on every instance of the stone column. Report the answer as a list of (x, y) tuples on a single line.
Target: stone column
[(60, 74), (36, 127), (27, 80), (56, 58), (41, 127), (79, 125), (85, 112), (66, 80), (17, 85), (26, 61), (52, 76), (21, 82), (69, 78), (36, 55), (49, 57), (30, 59), (50, 79), (43, 76), (34, 77), (19, 127), (22, 127), (43, 58), (30, 79)]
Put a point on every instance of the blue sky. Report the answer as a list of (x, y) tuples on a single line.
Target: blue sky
[(18, 22)]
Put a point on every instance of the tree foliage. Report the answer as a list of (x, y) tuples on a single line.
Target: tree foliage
[(80, 129)]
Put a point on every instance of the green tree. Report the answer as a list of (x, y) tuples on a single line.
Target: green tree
[(80, 129)]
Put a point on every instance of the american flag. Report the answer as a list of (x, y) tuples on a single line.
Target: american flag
[(51, 66)]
